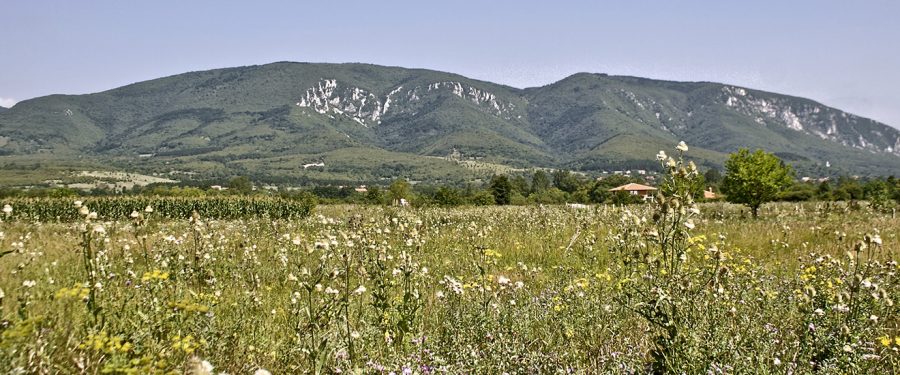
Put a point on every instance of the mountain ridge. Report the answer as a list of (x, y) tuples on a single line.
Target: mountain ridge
[(270, 120)]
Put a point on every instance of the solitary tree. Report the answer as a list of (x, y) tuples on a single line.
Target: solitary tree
[(566, 181), (399, 189), (240, 184), (712, 176), (540, 181), (501, 189), (754, 178), (447, 196)]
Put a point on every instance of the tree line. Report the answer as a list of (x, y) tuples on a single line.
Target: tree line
[(750, 178)]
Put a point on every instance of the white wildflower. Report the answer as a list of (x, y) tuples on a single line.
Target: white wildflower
[(876, 239), (207, 366), (682, 146)]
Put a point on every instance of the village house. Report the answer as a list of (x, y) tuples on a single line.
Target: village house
[(635, 189)]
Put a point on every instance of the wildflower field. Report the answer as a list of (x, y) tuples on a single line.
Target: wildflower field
[(664, 287)]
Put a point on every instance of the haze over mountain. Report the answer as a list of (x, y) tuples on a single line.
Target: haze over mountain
[(359, 122)]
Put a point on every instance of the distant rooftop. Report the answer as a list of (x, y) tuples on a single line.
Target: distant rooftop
[(633, 187)]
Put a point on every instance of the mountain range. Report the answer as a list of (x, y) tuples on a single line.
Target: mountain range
[(305, 122)]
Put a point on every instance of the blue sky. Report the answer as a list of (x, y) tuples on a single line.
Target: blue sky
[(842, 53)]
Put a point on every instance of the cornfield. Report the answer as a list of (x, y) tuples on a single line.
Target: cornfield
[(116, 208)]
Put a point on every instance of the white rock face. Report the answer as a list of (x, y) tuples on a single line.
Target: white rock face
[(356, 103), (809, 118), (477, 96), (761, 108), (330, 97)]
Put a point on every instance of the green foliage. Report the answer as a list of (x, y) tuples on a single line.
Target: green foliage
[(501, 189), (598, 193), (540, 181), (241, 185), (824, 191), (620, 198), (566, 181), (550, 196), (374, 195), (519, 184), (754, 178), (448, 196), (712, 176), (879, 193), (399, 189), (483, 198), (848, 189), (797, 192)]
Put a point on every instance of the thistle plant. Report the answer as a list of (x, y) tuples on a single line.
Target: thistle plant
[(90, 233), (841, 301), (662, 276)]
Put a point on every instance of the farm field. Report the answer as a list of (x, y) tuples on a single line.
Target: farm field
[(356, 289)]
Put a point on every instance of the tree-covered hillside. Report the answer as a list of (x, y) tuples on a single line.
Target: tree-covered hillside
[(359, 122)]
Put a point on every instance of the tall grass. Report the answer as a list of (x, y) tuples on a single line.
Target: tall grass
[(514, 289)]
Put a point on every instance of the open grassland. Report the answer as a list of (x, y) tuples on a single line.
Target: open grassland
[(804, 289)]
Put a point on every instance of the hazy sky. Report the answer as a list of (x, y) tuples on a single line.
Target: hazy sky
[(843, 53)]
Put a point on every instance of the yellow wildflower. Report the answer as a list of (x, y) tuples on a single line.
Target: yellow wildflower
[(155, 275), (77, 291)]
